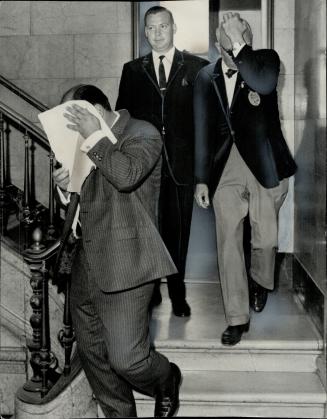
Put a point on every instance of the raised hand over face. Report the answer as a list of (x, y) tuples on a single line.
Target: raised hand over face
[(82, 120), (234, 27)]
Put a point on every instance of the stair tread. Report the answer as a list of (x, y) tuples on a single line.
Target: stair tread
[(250, 387), (9, 341), (12, 354), (283, 325)]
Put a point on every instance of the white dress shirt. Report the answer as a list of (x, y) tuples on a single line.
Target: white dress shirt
[(89, 143), (231, 81), (167, 62)]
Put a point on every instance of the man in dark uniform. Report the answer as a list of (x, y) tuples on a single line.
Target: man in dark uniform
[(242, 164), (159, 88)]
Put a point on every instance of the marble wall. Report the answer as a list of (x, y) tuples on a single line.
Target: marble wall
[(49, 46), (310, 138)]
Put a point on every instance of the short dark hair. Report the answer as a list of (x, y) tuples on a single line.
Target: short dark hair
[(89, 93), (157, 9)]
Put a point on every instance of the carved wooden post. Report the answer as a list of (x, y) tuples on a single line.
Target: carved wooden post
[(45, 358), (66, 335), (26, 196), (34, 345), (7, 154), (4, 198), (51, 228), (40, 347)]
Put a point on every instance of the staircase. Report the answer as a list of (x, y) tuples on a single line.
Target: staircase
[(271, 372)]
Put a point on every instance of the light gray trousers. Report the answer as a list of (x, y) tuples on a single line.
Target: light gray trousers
[(239, 194)]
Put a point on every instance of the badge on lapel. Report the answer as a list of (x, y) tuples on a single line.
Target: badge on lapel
[(254, 98), (184, 82)]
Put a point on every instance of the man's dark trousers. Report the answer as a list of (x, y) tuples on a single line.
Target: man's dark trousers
[(175, 215), (113, 340)]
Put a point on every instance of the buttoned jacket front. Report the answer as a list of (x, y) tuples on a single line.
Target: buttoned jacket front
[(172, 111)]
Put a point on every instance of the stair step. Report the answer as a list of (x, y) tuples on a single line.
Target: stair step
[(220, 393), (242, 360), (281, 338), (13, 376)]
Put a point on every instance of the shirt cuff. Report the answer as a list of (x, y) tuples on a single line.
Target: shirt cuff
[(65, 200), (92, 140), (237, 48)]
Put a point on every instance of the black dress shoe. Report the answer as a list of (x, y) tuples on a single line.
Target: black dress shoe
[(156, 299), (258, 296), (181, 308), (167, 400), (233, 334)]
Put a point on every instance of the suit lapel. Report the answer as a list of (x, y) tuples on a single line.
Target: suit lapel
[(148, 68), (176, 66), (238, 86), (220, 83)]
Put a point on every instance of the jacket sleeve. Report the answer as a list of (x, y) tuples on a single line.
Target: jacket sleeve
[(201, 127), (125, 90), (259, 69), (128, 164)]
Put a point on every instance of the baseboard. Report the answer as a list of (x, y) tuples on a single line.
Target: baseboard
[(309, 294)]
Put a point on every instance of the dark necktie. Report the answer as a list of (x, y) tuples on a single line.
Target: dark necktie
[(230, 72), (162, 74)]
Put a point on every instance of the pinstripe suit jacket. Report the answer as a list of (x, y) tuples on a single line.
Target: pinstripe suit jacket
[(119, 208)]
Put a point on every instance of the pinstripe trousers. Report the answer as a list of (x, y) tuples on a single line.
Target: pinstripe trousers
[(112, 334)]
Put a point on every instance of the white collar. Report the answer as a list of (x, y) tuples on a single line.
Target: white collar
[(116, 119), (169, 54)]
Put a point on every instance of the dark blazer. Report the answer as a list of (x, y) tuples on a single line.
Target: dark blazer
[(140, 94), (118, 207), (254, 127)]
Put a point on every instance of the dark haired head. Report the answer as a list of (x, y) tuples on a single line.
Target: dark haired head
[(157, 9), (89, 93)]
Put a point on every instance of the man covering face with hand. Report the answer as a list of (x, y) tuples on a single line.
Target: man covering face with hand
[(242, 166)]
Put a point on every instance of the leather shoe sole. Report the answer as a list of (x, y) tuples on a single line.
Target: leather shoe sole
[(233, 334)]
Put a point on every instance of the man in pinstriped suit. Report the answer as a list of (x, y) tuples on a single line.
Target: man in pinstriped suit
[(118, 256)]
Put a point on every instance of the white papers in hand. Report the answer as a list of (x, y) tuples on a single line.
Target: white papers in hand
[(66, 143)]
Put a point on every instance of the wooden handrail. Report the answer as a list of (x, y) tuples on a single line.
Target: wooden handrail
[(25, 124), (44, 254), (22, 94)]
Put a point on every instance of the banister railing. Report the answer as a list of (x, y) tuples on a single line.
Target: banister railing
[(31, 133), (22, 94), (25, 124), (48, 378), (42, 359)]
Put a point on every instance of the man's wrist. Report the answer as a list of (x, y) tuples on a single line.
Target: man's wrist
[(92, 140)]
